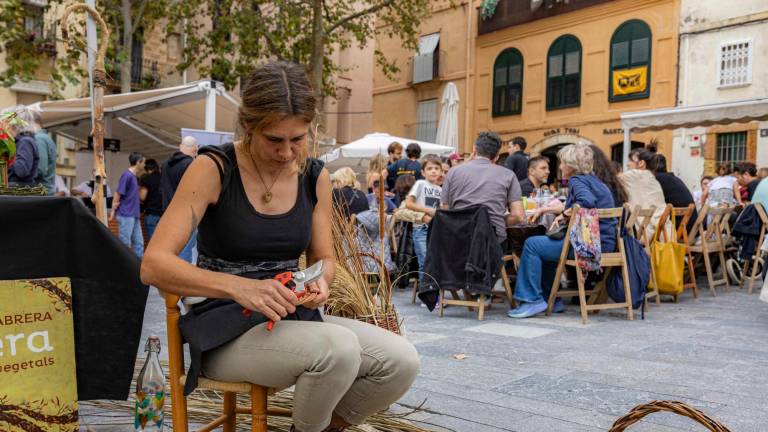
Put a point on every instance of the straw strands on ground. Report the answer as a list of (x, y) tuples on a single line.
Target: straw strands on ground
[(205, 405)]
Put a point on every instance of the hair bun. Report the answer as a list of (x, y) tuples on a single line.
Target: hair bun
[(652, 147)]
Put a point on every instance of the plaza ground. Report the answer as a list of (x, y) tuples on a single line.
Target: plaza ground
[(552, 374)]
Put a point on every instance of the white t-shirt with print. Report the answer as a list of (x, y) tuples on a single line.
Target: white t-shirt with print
[(426, 194)]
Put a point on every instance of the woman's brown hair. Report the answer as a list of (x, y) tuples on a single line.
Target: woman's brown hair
[(272, 92)]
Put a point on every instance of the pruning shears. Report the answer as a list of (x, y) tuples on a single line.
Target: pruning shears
[(296, 282)]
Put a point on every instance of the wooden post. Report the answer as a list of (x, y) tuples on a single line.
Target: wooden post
[(99, 82)]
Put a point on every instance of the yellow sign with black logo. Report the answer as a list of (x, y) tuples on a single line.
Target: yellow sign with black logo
[(630, 81), (38, 384)]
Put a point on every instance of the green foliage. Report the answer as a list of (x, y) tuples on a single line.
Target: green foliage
[(488, 8), (245, 32), (26, 52)]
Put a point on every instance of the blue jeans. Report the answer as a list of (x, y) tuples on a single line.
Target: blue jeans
[(130, 234), (150, 222), (187, 254), (420, 246), (538, 266)]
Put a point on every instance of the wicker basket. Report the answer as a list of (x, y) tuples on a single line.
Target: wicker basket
[(39, 190), (386, 321), (637, 413)]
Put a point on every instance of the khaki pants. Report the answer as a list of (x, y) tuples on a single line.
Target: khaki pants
[(340, 365)]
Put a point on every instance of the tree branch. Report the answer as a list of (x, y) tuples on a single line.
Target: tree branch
[(356, 15), (267, 36), (139, 15)]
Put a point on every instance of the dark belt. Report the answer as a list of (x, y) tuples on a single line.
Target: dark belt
[(242, 267)]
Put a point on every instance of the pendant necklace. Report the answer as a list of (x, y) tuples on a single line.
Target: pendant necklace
[(267, 197)]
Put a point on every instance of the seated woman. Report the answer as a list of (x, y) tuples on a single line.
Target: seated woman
[(538, 262), (347, 196), (271, 205), (641, 185), (723, 189)]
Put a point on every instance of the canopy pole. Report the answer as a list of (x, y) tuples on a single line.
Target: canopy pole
[(97, 101), (626, 147), (210, 108)]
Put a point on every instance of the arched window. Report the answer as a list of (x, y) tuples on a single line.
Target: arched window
[(508, 83), (630, 62), (564, 73)]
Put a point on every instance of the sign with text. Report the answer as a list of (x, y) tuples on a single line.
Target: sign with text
[(38, 385), (630, 81)]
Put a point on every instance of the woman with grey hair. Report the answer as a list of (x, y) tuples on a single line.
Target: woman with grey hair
[(23, 168), (538, 262)]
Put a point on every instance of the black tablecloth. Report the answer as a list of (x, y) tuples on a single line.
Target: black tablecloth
[(44, 237)]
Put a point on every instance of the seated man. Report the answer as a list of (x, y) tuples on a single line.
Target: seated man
[(538, 173), (373, 200), (481, 182)]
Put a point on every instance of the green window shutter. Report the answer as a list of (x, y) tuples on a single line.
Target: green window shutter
[(630, 49), (564, 73), (508, 83)]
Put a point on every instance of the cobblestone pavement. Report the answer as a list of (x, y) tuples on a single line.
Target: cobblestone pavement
[(552, 374)]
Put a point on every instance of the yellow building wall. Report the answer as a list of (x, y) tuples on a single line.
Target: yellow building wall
[(395, 101), (596, 119)]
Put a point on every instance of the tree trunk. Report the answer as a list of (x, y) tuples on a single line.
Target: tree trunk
[(125, 64), (318, 51)]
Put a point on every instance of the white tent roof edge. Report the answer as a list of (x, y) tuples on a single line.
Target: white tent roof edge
[(700, 115)]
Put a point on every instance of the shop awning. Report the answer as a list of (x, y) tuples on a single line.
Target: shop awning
[(702, 115), (149, 121), (693, 116)]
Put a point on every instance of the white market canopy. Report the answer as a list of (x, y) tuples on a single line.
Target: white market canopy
[(702, 115), (377, 143), (148, 121), (693, 116)]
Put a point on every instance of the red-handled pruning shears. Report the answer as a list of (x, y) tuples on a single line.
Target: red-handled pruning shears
[(296, 282)]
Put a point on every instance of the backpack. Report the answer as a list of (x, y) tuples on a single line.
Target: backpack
[(638, 268)]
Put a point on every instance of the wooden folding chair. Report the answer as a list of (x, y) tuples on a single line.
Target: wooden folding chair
[(712, 240), (258, 409), (479, 303), (638, 227), (758, 252), (610, 259), (685, 214)]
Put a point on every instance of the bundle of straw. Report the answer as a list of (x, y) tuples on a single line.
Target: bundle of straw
[(205, 405), (351, 294)]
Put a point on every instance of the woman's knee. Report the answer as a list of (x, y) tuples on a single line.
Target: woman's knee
[(402, 361), (337, 348)]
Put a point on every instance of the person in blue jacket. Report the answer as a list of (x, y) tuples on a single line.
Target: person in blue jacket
[(23, 168), (540, 253)]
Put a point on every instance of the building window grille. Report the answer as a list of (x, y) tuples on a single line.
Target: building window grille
[(735, 66), (731, 148)]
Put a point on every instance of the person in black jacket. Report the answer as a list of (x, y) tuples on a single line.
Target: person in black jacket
[(149, 193), (517, 160), (170, 177), (346, 193), (675, 191)]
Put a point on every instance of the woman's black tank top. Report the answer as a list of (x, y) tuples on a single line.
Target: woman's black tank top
[(233, 230)]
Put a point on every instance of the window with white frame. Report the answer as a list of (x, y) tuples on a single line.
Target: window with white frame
[(735, 66)]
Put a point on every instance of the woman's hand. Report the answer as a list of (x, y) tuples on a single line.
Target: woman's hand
[(535, 215), (268, 296), (556, 223), (320, 288)]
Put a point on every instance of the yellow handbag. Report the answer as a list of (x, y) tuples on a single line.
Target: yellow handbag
[(668, 261)]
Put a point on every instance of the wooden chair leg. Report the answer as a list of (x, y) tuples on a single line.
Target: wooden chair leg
[(555, 287), (508, 288), (627, 291), (754, 272), (582, 294), (440, 304), (230, 406), (480, 306), (708, 268), (721, 255), (258, 409), (692, 275)]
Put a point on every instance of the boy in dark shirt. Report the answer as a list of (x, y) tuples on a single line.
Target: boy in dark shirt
[(405, 166)]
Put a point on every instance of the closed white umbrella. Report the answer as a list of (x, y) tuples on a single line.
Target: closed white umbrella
[(448, 128)]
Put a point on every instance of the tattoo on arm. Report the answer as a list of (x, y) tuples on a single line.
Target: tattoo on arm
[(194, 221)]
